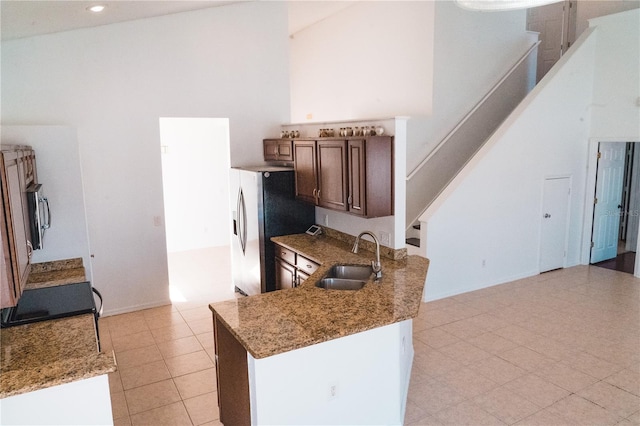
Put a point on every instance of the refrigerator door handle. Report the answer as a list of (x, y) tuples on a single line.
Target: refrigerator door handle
[(242, 219), (46, 225)]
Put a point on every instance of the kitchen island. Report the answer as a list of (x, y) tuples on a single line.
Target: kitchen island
[(324, 356)]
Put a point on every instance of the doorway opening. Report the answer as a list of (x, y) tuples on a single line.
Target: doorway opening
[(195, 174), (616, 212)]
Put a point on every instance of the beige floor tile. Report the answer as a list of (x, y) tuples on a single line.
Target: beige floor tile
[(498, 370), (184, 345), (593, 366), (492, 343), (615, 400), (200, 312), (188, 363), (544, 418), (195, 384), (206, 340), (436, 337), (466, 413), (464, 329), (164, 319), (552, 349), (138, 356), (203, 408), (413, 413), (627, 380), (506, 405), (144, 374), (122, 421), (433, 362), (151, 396), (119, 405), (132, 341), (519, 335), (489, 322), (635, 418), (537, 390), (203, 325), (426, 420), (525, 358), (173, 332), (171, 414), (466, 382), (579, 411), (115, 383), (566, 377), (433, 396), (131, 327), (465, 353), (438, 317)]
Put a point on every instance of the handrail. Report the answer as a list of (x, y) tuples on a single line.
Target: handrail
[(471, 112)]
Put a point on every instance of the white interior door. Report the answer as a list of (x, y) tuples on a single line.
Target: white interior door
[(634, 202), (555, 213), (608, 198)]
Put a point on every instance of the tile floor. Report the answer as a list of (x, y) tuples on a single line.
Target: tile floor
[(561, 348)]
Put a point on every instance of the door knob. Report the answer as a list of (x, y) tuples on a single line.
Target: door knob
[(547, 215)]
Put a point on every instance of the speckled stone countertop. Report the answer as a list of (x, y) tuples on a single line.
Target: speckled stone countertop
[(276, 322), (49, 353), (57, 272)]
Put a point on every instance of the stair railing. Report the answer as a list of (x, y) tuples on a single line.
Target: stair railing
[(510, 101)]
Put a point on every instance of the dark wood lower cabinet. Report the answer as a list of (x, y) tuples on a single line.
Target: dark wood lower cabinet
[(232, 376)]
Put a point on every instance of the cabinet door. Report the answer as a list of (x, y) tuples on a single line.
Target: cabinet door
[(285, 275), (15, 216), (378, 176), (305, 170), (357, 178), (232, 376), (270, 149), (332, 174), (285, 150)]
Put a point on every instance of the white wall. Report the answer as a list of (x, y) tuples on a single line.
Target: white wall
[(472, 51), (492, 212), (486, 229), (589, 9), (59, 172), (370, 60), (113, 83), (195, 174)]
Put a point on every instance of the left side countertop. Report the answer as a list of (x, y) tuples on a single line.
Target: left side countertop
[(50, 353), (54, 352)]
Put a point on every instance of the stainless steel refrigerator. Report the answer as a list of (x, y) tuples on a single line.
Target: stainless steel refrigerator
[(263, 205)]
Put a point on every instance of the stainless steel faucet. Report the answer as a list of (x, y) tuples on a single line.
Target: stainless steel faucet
[(375, 264)]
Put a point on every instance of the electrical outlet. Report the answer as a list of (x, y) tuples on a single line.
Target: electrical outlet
[(333, 390), (385, 238)]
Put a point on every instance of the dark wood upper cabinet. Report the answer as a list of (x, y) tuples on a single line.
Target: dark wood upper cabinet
[(353, 175), (332, 174), (304, 154), (278, 150)]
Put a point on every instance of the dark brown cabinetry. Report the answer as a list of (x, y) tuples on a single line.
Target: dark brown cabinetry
[(232, 376), (18, 171), (292, 268), (278, 150), (353, 175)]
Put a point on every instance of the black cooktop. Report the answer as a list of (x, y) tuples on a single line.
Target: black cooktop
[(40, 304)]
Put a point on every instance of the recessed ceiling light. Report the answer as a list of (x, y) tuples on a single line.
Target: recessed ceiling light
[(97, 8)]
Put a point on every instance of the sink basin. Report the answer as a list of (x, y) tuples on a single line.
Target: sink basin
[(346, 277), (340, 284), (350, 272)]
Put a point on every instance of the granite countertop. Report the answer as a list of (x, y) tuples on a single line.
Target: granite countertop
[(49, 353), (53, 352), (276, 322)]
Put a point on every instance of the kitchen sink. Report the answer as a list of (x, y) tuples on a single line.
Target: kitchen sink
[(340, 284), (346, 277)]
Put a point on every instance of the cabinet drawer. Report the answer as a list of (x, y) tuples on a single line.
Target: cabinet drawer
[(286, 255), (305, 265)]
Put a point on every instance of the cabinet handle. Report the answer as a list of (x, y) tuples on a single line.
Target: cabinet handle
[(29, 249)]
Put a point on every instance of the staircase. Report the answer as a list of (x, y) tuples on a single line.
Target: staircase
[(427, 180)]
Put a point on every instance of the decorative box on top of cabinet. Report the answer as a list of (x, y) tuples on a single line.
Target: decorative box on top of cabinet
[(17, 172), (353, 175)]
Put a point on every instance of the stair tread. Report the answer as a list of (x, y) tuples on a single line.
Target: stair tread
[(413, 241)]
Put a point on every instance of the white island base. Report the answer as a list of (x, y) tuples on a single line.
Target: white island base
[(358, 379)]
